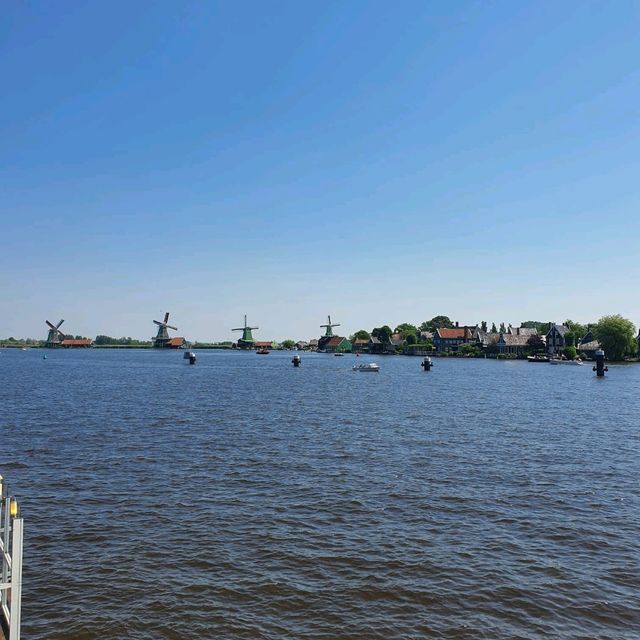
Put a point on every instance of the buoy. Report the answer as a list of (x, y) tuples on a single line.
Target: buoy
[(296, 360), (427, 363), (44, 357), (600, 368)]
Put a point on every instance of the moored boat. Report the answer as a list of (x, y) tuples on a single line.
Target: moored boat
[(559, 361), (262, 352), (538, 358)]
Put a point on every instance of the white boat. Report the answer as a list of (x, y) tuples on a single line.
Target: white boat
[(558, 361), (372, 366)]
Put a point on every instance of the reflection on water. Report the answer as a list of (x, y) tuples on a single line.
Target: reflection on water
[(246, 498)]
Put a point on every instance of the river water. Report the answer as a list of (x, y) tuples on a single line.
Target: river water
[(244, 498)]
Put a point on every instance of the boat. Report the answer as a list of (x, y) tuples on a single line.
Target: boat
[(337, 353), (538, 358), (371, 366), (263, 352), (559, 361)]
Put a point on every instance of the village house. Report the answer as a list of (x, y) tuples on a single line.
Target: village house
[(313, 344), (451, 339), (395, 341), (375, 346), (302, 345), (588, 345), (338, 344), (556, 338), (484, 339), (82, 342), (512, 343), (360, 345)]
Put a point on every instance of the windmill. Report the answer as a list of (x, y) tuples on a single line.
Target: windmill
[(329, 327), (162, 339), (55, 336), (247, 341), (328, 334)]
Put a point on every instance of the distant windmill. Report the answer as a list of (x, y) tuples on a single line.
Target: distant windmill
[(55, 336), (329, 327), (247, 341), (162, 339)]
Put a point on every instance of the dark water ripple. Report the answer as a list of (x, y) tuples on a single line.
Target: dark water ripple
[(243, 498)]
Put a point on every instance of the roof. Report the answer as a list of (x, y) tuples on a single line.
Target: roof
[(594, 345), (523, 331), (313, 343), (451, 334), (560, 328), (360, 341), (335, 341), (427, 335), (263, 344), (396, 339), (374, 340), (487, 337), (84, 342), (512, 340), (175, 342)]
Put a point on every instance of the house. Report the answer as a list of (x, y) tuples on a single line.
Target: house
[(313, 345), (512, 343), (425, 336), (451, 339), (395, 341), (263, 345), (338, 344), (555, 338), (360, 345), (484, 339), (375, 346), (83, 342), (302, 345), (588, 345)]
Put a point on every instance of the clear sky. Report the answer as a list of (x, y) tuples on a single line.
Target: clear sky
[(380, 161)]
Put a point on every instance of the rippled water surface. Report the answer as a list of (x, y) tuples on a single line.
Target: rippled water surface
[(243, 498)]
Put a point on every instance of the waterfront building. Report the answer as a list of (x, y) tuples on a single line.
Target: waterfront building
[(360, 345), (451, 339), (512, 343), (375, 345), (337, 344), (556, 338), (81, 342)]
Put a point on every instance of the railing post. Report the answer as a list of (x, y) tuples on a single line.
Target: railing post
[(5, 542), (16, 578)]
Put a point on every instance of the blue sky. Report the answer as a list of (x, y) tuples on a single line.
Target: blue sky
[(382, 162)]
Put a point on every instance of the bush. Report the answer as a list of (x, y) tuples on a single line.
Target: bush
[(570, 353)]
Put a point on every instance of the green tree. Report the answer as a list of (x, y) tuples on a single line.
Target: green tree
[(493, 328), (362, 334), (405, 329), (570, 339), (578, 330), (616, 335), (437, 322), (483, 326), (536, 344), (570, 352), (503, 329), (411, 338), (288, 344), (383, 333), (469, 350)]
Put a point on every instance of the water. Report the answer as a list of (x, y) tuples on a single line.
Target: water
[(245, 498)]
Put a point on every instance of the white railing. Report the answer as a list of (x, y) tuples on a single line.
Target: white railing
[(11, 554)]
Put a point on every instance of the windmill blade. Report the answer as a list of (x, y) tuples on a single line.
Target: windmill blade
[(166, 317), (160, 324), (59, 323), (238, 329), (53, 326), (253, 328), (170, 327)]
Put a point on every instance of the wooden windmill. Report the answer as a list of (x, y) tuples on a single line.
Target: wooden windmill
[(55, 336), (162, 339), (329, 327), (328, 334), (247, 341)]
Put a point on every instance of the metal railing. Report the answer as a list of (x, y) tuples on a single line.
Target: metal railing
[(11, 533)]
